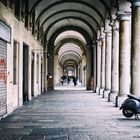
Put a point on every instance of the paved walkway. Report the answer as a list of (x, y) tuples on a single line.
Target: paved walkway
[(69, 115), (69, 86)]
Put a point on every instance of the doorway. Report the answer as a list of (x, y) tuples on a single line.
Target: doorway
[(25, 72), (32, 75)]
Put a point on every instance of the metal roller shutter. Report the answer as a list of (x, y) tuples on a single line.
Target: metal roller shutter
[(3, 77)]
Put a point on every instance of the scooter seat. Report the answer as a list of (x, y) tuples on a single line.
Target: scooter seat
[(133, 97)]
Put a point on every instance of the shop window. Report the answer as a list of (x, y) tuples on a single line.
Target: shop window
[(15, 62)]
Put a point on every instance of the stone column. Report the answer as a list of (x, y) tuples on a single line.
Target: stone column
[(124, 57), (108, 60), (98, 66), (115, 62), (56, 70), (84, 70), (80, 77), (89, 66), (135, 51), (102, 37), (98, 62), (94, 67)]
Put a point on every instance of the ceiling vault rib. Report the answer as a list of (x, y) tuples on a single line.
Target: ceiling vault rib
[(64, 41), (78, 11), (58, 31), (69, 61), (35, 5), (39, 1), (73, 1), (72, 52), (107, 7), (72, 17), (66, 62)]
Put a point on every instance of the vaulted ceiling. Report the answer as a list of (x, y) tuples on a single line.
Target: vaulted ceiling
[(55, 14), (84, 16)]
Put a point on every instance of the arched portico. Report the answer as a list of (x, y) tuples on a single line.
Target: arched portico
[(71, 48), (98, 43)]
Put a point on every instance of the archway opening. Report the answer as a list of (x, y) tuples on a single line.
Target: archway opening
[(70, 60)]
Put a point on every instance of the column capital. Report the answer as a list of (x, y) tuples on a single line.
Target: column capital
[(99, 42), (108, 33), (35, 52), (123, 16), (102, 37), (115, 25), (94, 43)]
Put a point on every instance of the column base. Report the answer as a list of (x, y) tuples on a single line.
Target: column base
[(20, 102), (106, 93), (10, 108), (119, 99), (97, 89), (101, 91), (112, 96)]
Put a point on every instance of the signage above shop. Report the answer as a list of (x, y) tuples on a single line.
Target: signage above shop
[(5, 32)]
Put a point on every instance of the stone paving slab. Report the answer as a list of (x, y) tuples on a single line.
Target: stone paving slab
[(10, 137), (27, 137), (69, 115)]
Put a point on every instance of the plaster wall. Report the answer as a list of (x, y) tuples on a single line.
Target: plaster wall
[(21, 35)]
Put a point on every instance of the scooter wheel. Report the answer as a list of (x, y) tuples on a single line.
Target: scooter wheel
[(127, 113)]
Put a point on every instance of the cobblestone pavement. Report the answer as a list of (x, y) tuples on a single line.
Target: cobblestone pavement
[(69, 115)]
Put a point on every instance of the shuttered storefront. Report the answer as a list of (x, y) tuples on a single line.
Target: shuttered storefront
[(3, 77)]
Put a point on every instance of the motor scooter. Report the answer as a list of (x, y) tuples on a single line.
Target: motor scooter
[(131, 106)]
